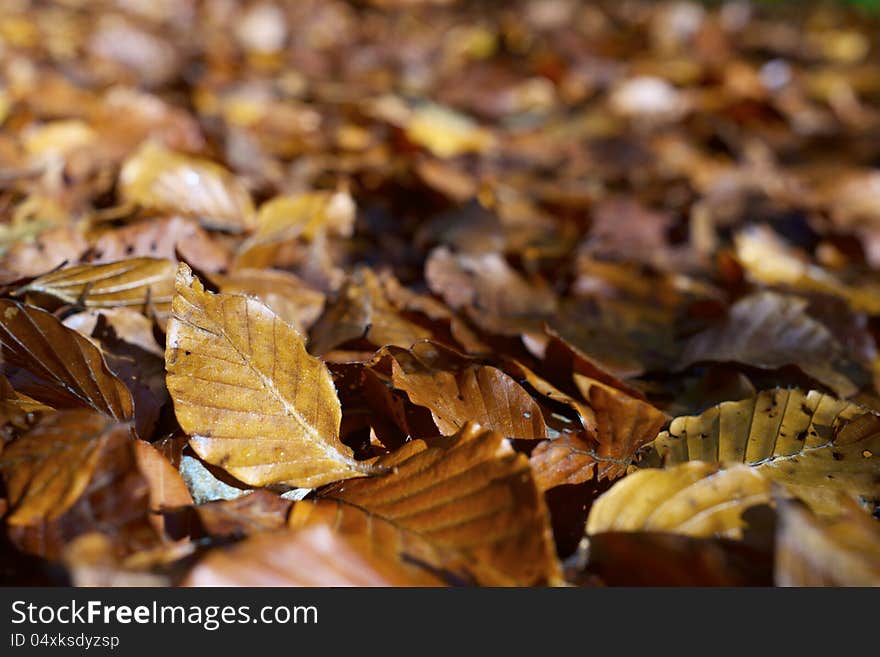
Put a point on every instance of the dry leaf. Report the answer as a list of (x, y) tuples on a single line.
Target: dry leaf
[(59, 366), (315, 556), (695, 499), (770, 330), (621, 426), (258, 511), (815, 445), (252, 399), (290, 298), (841, 551), (470, 493), (457, 391), (139, 283), (361, 310), (49, 469), (164, 181)]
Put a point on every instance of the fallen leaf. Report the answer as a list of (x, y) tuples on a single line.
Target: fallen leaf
[(315, 556), (252, 399), (695, 499), (770, 330), (60, 367), (258, 511), (137, 283), (813, 444), (162, 180), (623, 425), (290, 298), (457, 391), (361, 310), (813, 551), (49, 468), (470, 493)]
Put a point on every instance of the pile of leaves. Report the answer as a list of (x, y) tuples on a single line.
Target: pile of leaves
[(439, 293)]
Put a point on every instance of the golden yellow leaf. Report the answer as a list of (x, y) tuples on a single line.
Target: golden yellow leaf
[(447, 133), (470, 493), (696, 499), (139, 282), (769, 260), (300, 216), (814, 444), (252, 399), (63, 368), (162, 180)]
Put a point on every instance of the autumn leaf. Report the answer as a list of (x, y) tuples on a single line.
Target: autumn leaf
[(839, 551), (138, 282), (813, 444), (361, 310), (301, 216), (315, 556), (622, 426), (59, 366), (457, 391), (258, 511), (695, 499), (75, 473), (252, 399), (162, 180), (48, 469), (470, 493), (770, 330), (288, 296), (663, 559)]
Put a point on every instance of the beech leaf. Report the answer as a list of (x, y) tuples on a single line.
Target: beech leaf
[(248, 393)]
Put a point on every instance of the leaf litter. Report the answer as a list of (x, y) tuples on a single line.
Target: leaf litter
[(439, 294)]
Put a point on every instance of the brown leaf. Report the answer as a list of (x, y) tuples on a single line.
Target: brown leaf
[(50, 249), (167, 238), (840, 551), (49, 468), (252, 399), (315, 556), (770, 330), (167, 488), (457, 391), (60, 367), (259, 511), (73, 474), (290, 298), (469, 492), (623, 425), (361, 310), (659, 559), (499, 299)]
